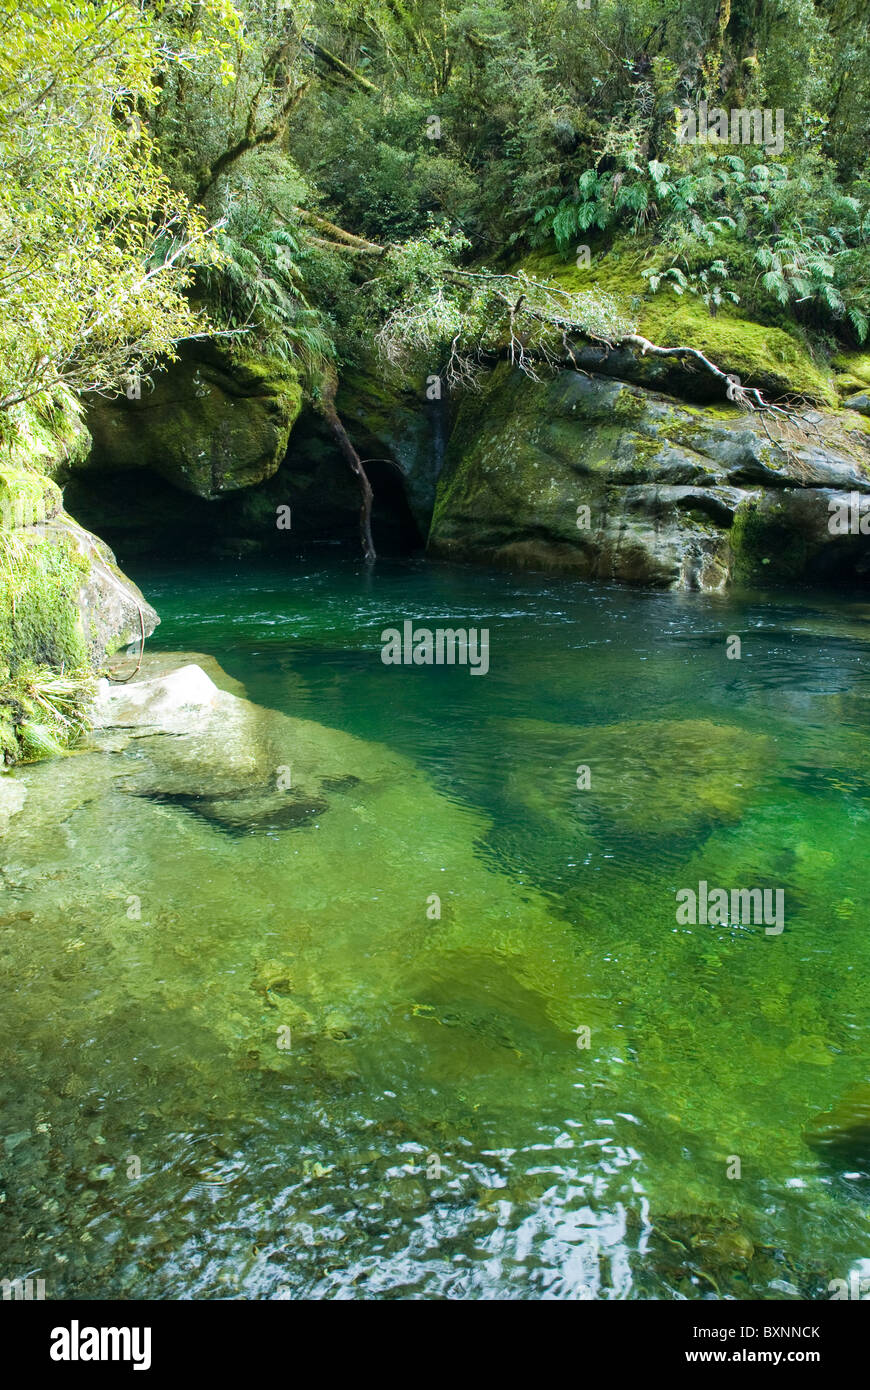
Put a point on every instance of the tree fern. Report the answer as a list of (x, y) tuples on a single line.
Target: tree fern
[(259, 289)]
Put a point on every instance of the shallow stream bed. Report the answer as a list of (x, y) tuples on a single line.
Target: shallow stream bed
[(444, 1036)]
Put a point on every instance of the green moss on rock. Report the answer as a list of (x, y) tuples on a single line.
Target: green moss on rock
[(40, 632), (39, 616), (47, 436), (27, 498), (211, 423), (853, 372), (64, 604), (721, 767), (760, 354)]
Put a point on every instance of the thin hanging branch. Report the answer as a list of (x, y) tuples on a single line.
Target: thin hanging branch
[(326, 406)]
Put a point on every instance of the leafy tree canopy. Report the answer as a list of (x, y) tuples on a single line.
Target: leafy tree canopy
[(96, 244), (316, 175)]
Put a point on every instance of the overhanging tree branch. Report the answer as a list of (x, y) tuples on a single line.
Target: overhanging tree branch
[(483, 315), (335, 233)]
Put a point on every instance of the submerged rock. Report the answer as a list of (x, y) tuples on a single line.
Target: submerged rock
[(211, 752), (13, 795), (710, 1253), (332, 907), (659, 778), (841, 1135)]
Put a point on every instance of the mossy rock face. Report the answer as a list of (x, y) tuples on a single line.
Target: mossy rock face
[(609, 481), (209, 424), (761, 355), (47, 439), (40, 619), (64, 602), (786, 536), (142, 514), (113, 611), (216, 446), (853, 372), (27, 498)]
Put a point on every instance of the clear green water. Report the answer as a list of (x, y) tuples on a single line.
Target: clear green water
[(434, 1129)]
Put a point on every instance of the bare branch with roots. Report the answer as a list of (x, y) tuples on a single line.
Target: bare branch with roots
[(534, 328), (748, 398)]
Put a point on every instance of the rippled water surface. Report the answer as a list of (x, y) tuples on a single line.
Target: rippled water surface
[(436, 1127)]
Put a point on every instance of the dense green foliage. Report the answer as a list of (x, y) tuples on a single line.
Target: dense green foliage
[(512, 125), (315, 135), (95, 242), (555, 121)]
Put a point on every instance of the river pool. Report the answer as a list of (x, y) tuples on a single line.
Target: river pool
[(506, 1070)]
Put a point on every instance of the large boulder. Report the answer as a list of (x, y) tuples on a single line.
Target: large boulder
[(112, 610), (215, 754), (63, 600), (312, 497), (611, 481), (65, 606), (210, 423)]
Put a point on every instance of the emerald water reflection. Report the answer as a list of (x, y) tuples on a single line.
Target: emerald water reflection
[(436, 1127)]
